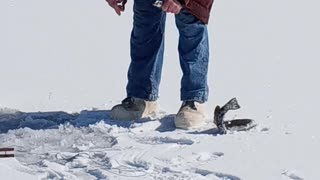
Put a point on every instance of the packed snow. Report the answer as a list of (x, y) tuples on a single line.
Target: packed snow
[(89, 145), (63, 66)]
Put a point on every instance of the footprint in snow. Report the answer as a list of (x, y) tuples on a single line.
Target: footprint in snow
[(165, 140), (97, 174), (292, 175), (219, 175), (139, 164), (207, 156)]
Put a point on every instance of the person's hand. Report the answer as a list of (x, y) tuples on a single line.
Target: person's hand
[(115, 5), (172, 6)]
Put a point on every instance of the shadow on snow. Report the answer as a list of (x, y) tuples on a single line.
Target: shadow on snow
[(52, 120)]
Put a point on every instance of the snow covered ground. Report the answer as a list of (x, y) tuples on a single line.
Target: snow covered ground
[(59, 57), (91, 146)]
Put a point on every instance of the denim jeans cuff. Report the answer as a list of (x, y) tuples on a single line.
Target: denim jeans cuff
[(200, 97), (147, 97)]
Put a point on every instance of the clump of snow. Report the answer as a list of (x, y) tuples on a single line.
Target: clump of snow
[(34, 145), (4, 110)]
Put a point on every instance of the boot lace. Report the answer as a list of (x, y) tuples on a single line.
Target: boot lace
[(128, 102)]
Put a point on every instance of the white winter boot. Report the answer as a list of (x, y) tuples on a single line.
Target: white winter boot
[(134, 108), (191, 115)]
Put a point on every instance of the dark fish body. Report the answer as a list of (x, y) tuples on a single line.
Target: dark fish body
[(233, 125)]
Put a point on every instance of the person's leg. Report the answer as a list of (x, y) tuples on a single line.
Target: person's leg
[(194, 57), (144, 74), (147, 46)]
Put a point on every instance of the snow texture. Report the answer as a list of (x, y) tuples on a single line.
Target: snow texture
[(88, 145), (63, 65)]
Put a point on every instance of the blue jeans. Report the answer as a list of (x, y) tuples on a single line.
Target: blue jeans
[(147, 47)]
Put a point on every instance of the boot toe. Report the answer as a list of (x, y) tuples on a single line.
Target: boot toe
[(189, 120), (118, 112)]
